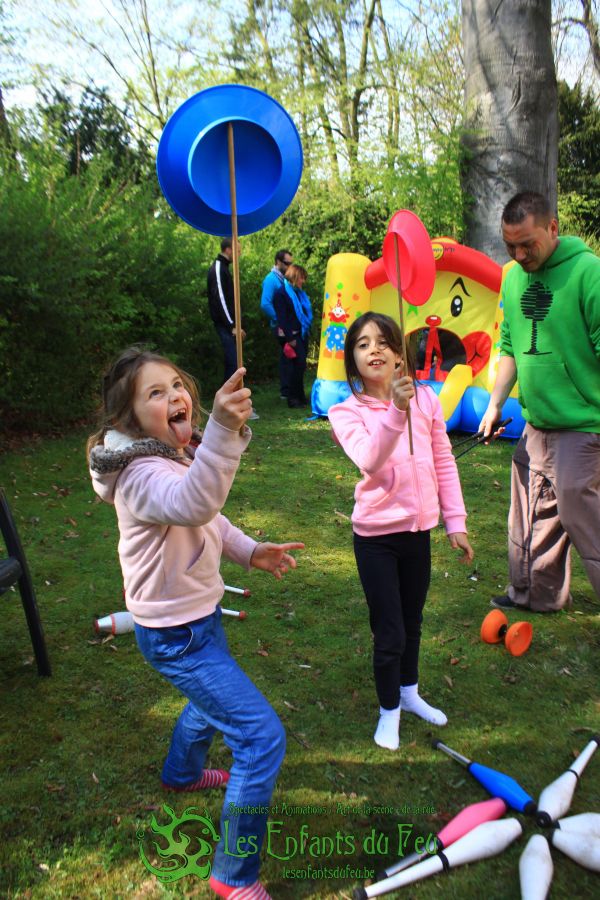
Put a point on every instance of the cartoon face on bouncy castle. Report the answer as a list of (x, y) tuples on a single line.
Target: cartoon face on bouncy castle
[(454, 336)]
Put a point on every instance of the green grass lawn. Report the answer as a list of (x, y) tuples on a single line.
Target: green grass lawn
[(82, 751)]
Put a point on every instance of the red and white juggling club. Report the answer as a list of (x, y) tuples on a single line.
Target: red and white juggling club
[(555, 799), (116, 623), (588, 823), (235, 590), (536, 869), (498, 784), (485, 840), (463, 822), (581, 848)]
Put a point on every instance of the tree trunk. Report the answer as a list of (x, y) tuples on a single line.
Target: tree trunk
[(511, 120)]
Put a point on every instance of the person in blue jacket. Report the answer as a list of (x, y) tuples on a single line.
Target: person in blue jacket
[(271, 284), (294, 315)]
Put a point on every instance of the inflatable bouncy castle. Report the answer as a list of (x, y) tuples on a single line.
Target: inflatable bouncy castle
[(454, 336)]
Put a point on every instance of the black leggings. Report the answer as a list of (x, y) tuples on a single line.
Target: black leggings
[(395, 571)]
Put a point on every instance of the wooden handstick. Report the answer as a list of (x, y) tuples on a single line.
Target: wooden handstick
[(237, 306), (404, 361), (234, 245)]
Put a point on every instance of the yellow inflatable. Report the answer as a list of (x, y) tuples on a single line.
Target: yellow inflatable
[(454, 335)]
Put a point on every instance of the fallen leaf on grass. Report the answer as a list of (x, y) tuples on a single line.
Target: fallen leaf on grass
[(291, 706), (449, 680), (300, 739), (454, 660), (566, 671), (342, 515), (95, 778), (262, 652), (55, 788)]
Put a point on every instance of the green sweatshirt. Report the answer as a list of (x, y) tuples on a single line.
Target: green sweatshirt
[(552, 329)]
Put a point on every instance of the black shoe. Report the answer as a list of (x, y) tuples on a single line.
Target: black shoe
[(504, 602), (293, 404)]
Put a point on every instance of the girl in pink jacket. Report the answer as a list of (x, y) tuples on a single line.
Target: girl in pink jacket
[(397, 502), (168, 485)]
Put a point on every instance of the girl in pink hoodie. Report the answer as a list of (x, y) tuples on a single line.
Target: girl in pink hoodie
[(168, 485), (397, 502)]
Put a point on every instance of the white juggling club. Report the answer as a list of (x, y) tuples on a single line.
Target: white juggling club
[(487, 839), (588, 823), (536, 869), (555, 799), (581, 848), (121, 622)]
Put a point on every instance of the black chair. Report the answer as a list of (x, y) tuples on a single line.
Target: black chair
[(13, 571)]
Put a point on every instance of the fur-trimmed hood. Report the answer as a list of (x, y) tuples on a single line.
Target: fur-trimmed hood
[(107, 460)]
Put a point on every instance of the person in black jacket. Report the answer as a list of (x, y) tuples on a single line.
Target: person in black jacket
[(219, 284)]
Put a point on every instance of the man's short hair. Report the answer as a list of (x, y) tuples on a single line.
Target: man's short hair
[(226, 244), (527, 203), (281, 255)]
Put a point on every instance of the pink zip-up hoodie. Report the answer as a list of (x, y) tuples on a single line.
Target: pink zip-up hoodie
[(172, 533), (399, 492)]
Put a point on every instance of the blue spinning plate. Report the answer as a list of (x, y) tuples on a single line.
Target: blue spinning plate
[(193, 161)]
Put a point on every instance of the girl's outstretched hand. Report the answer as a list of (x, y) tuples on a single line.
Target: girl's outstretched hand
[(232, 404), (459, 541), (274, 557), (402, 390)]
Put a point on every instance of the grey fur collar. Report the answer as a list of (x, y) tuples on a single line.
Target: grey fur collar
[(119, 450)]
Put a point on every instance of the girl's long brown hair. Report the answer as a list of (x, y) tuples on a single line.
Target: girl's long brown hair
[(390, 330), (118, 392)]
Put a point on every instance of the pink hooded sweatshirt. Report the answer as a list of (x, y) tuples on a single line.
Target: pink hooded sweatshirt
[(172, 533), (399, 492)]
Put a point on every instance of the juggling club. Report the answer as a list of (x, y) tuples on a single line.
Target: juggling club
[(498, 784), (116, 623), (463, 822), (485, 840), (536, 869), (589, 823), (581, 848), (555, 799), (236, 590), (121, 622)]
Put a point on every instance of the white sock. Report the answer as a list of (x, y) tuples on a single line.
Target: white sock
[(410, 701), (387, 733)]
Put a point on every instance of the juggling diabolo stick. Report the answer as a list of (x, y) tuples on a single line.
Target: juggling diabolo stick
[(487, 839), (467, 819), (536, 869), (555, 799), (498, 784), (581, 848)]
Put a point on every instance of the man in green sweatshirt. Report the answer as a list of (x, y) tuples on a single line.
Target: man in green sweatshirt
[(550, 341)]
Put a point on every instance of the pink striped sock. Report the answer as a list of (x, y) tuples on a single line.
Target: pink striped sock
[(248, 892), (210, 778)]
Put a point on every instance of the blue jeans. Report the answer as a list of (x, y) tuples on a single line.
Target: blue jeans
[(196, 659)]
